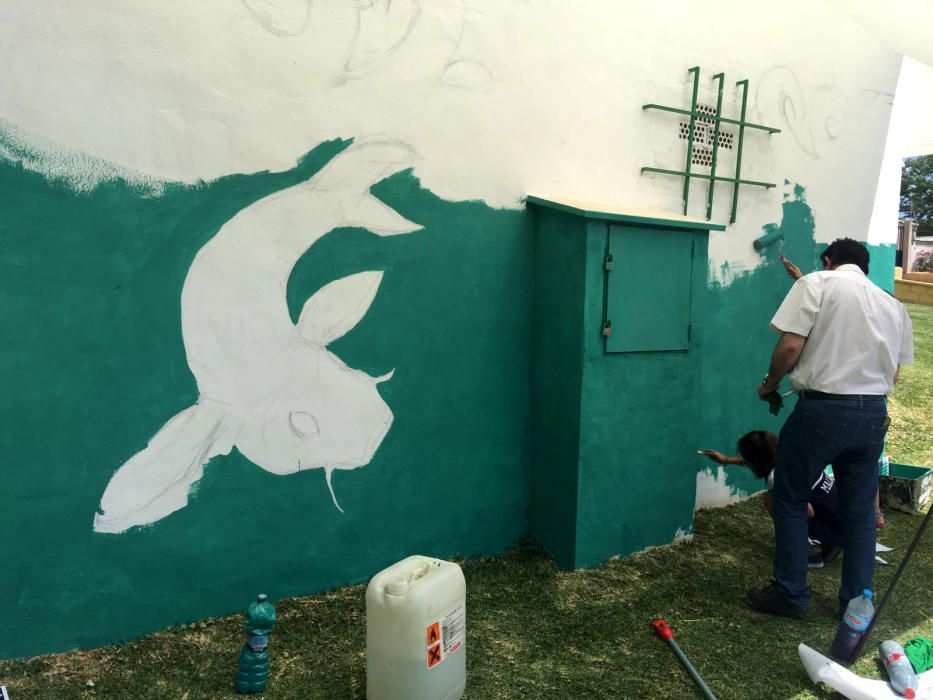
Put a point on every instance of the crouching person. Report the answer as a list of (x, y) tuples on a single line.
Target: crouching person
[(758, 451)]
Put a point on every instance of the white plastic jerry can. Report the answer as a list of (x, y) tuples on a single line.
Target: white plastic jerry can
[(416, 631)]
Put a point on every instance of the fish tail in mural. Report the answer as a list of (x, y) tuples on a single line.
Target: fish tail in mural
[(268, 386), (155, 481)]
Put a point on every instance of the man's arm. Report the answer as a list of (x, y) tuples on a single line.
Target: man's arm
[(792, 270), (786, 353)]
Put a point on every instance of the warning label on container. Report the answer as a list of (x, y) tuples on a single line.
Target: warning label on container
[(435, 655), (446, 636), (453, 629)]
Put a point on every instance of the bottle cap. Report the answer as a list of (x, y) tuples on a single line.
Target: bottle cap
[(261, 598), (867, 593)]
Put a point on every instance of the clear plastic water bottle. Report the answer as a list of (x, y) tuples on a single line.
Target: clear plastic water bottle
[(854, 622), (901, 674)]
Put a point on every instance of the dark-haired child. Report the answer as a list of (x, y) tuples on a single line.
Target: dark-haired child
[(758, 450)]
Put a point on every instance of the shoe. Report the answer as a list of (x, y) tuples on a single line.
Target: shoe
[(815, 558), (771, 601), (831, 554)]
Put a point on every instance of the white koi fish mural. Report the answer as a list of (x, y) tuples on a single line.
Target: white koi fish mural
[(268, 386)]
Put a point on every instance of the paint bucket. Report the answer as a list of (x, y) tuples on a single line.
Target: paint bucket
[(906, 487), (416, 631)]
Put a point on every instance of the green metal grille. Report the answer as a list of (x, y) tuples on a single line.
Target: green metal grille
[(717, 119)]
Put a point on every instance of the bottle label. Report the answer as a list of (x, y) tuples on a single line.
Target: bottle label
[(858, 623), (453, 629)]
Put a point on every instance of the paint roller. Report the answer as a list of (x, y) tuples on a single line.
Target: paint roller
[(772, 234)]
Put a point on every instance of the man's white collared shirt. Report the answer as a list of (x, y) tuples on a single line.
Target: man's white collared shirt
[(857, 334)]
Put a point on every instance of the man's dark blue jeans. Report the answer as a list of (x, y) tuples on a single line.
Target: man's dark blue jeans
[(849, 434)]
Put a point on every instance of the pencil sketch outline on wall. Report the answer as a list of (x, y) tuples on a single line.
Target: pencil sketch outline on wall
[(460, 71), (268, 386)]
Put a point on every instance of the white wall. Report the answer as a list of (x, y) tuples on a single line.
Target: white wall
[(499, 97), (912, 120), (910, 134)]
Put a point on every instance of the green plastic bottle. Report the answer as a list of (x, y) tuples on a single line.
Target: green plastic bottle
[(252, 671)]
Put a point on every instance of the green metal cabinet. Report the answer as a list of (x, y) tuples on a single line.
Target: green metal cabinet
[(618, 325)]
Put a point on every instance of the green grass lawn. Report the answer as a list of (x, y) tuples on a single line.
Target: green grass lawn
[(910, 438), (536, 632)]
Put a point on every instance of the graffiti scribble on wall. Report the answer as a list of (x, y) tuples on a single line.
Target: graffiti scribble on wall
[(281, 17), (269, 386), (816, 121), (382, 27)]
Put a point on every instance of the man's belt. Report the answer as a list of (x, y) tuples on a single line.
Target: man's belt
[(821, 395)]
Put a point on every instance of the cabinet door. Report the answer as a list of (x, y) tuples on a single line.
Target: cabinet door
[(648, 289)]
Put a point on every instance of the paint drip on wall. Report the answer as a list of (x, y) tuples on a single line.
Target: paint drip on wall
[(268, 386)]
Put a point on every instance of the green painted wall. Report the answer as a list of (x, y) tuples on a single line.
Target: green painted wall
[(92, 364), (881, 267), (642, 416), (471, 315), (560, 266), (737, 343)]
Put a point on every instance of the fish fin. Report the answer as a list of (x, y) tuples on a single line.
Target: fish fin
[(155, 482), (351, 174), (338, 306), (376, 216)]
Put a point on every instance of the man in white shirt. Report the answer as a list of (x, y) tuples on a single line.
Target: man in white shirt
[(842, 342)]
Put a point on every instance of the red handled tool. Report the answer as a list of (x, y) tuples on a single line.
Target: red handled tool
[(665, 633)]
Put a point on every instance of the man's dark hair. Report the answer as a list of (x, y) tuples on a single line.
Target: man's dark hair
[(759, 452), (844, 251)]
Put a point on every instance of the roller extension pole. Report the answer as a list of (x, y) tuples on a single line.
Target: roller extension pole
[(665, 632)]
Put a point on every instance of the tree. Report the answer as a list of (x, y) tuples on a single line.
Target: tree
[(917, 189)]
